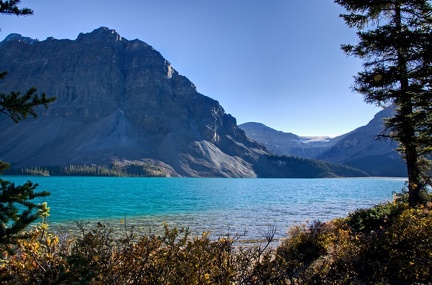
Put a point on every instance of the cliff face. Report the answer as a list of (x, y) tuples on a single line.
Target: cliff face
[(117, 100)]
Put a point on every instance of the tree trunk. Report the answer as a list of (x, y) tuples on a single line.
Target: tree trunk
[(407, 132)]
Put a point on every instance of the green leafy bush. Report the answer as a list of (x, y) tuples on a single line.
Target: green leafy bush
[(376, 218)]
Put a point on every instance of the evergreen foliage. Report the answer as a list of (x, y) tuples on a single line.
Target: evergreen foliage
[(15, 104), (130, 170), (300, 167), (18, 106), (17, 209), (11, 7), (395, 43), (293, 166)]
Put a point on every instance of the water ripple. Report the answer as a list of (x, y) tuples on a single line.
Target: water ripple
[(215, 205)]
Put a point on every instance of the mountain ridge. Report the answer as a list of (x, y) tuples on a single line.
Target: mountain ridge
[(104, 84), (359, 148), (283, 143), (121, 101)]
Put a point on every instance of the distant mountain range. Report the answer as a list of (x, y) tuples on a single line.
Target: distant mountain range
[(281, 143), (122, 109), (360, 148)]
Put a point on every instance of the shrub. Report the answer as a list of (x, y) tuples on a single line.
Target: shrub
[(376, 218), (387, 244), (402, 254), (39, 259)]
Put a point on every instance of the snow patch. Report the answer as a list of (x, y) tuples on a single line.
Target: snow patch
[(170, 71), (314, 139)]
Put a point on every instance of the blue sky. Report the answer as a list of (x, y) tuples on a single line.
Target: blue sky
[(276, 62)]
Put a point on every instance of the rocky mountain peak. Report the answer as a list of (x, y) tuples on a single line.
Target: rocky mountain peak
[(120, 102), (102, 33), (19, 38)]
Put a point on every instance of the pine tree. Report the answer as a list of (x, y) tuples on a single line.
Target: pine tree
[(11, 7), (395, 43), (17, 209), (15, 104), (18, 106)]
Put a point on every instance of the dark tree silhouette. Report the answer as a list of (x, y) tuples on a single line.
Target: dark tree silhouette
[(18, 106), (11, 7), (17, 206), (395, 43)]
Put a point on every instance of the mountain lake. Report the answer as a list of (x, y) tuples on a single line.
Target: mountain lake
[(222, 206)]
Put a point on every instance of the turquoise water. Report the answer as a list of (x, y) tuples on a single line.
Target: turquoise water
[(207, 204)]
